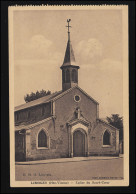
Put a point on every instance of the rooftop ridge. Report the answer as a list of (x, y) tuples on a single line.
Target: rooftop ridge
[(53, 97), (38, 101)]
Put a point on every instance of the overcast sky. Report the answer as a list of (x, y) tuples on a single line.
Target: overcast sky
[(40, 39)]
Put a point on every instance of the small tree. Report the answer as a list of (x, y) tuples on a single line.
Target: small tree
[(117, 121), (34, 96), (42, 93), (48, 92), (37, 94)]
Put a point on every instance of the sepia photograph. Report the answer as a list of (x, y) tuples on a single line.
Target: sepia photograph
[(68, 86)]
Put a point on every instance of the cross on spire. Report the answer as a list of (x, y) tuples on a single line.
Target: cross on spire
[(68, 26)]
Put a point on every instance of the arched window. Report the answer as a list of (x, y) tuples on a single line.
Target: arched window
[(74, 75), (63, 76), (67, 76), (42, 139), (106, 138)]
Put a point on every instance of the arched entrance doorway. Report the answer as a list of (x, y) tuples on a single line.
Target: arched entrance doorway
[(78, 144)]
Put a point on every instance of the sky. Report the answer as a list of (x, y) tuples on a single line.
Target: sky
[(40, 38)]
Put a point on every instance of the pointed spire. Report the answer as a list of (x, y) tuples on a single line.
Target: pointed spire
[(69, 67), (69, 59)]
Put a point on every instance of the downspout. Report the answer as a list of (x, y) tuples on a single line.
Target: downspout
[(53, 114)]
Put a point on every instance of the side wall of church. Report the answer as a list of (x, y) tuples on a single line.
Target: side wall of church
[(55, 142), (96, 146), (33, 114)]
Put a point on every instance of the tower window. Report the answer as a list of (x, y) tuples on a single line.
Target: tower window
[(67, 76), (74, 75), (42, 139), (106, 138)]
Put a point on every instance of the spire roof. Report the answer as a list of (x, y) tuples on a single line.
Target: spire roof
[(69, 59)]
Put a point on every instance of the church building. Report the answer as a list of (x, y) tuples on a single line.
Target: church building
[(65, 123)]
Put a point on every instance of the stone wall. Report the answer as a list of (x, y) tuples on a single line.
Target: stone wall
[(57, 129), (55, 142), (64, 111), (96, 146)]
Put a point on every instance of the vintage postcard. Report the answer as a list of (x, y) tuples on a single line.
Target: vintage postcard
[(68, 85)]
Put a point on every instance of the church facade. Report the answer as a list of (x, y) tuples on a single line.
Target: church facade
[(63, 124)]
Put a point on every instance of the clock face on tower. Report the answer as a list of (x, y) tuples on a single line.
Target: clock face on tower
[(77, 98)]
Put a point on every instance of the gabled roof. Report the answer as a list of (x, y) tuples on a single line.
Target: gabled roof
[(67, 91), (51, 97), (38, 101), (76, 120), (30, 126), (107, 124), (81, 120)]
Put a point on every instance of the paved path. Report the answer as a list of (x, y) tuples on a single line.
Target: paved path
[(79, 170), (62, 160)]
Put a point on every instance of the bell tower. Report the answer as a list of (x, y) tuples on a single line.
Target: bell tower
[(69, 67)]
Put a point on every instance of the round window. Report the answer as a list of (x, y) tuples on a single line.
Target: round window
[(77, 98)]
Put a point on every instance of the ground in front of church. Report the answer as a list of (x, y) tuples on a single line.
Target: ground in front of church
[(111, 169)]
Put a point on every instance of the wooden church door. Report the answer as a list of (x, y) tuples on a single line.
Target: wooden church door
[(78, 144)]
